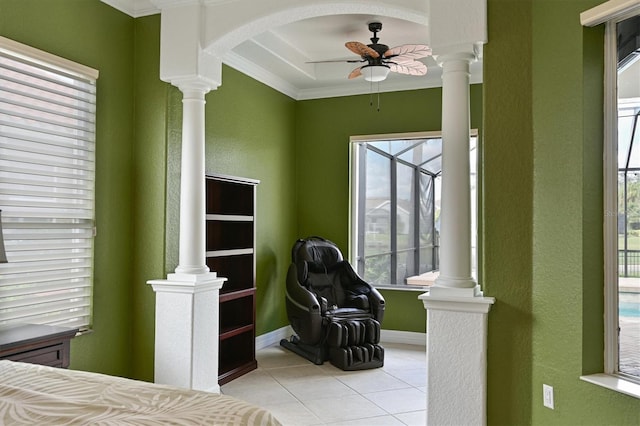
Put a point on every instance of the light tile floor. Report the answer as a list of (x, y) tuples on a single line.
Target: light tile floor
[(300, 393)]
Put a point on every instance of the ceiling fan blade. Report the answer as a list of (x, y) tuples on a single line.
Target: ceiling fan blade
[(408, 51), (409, 68), (361, 49), (355, 73), (349, 61)]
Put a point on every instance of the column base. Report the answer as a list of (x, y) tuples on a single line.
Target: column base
[(439, 290), (187, 328), (456, 358)]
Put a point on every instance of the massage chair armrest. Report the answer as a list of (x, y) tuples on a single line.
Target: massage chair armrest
[(375, 299), (300, 295), (360, 301), (377, 304)]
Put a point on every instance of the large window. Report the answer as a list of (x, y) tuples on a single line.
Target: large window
[(47, 169), (622, 192), (395, 199)]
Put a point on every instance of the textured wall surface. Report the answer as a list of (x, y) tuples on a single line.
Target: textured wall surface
[(149, 190), (507, 214), (96, 35), (567, 220), (543, 216), (456, 367)]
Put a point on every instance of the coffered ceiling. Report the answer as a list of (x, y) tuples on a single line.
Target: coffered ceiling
[(285, 57)]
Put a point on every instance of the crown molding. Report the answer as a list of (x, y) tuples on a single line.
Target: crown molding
[(247, 67), (133, 8), (139, 8)]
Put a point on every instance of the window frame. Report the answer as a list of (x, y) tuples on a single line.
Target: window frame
[(611, 14), (610, 177), (20, 229), (356, 174)]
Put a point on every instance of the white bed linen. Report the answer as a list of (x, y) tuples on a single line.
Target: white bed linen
[(39, 395)]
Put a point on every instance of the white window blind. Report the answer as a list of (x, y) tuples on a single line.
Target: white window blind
[(47, 173)]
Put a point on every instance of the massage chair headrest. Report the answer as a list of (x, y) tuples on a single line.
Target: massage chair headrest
[(316, 250)]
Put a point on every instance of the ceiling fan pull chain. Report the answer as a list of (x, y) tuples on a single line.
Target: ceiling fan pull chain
[(371, 93), (378, 97)]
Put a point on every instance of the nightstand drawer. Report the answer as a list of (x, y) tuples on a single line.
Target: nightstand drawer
[(36, 344), (53, 356)]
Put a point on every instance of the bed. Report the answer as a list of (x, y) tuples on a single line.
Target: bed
[(39, 395)]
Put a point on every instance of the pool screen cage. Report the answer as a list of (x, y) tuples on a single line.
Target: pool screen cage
[(628, 55), (629, 190), (398, 207)]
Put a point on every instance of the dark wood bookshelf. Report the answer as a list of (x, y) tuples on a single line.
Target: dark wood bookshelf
[(230, 245)]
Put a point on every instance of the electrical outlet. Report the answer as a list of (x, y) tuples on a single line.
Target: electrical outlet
[(547, 396)]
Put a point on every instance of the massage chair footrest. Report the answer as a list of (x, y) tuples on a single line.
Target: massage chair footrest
[(354, 344), (359, 357), (350, 332)]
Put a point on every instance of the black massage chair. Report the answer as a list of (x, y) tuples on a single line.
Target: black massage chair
[(335, 314)]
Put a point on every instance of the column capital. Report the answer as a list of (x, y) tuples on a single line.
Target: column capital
[(195, 87), (460, 57), (183, 61)]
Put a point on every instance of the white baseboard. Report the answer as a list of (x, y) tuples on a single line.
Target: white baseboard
[(273, 337), (388, 336), (406, 337)]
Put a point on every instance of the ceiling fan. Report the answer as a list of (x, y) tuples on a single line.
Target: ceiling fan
[(380, 59)]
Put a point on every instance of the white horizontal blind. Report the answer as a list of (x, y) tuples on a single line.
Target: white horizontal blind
[(47, 173)]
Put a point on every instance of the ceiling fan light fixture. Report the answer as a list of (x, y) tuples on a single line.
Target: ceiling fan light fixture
[(375, 73)]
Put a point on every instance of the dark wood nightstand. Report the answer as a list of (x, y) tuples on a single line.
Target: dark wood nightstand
[(36, 344)]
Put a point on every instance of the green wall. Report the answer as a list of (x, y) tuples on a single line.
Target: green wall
[(568, 239), (543, 215), (149, 190), (507, 216), (96, 35), (541, 130), (322, 167), (250, 132)]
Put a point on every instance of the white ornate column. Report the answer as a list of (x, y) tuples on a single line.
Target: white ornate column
[(455, 220), (186, 348), (192, 185), (457, 312), (187, 324)]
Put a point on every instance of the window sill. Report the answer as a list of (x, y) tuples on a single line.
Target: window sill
[(615, 383), (399, 287)]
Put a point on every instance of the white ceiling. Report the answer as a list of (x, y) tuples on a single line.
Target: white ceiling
[(280, 57)]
